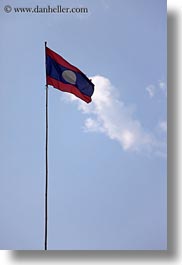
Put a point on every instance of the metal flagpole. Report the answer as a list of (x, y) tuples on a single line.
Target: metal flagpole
[(46, 158)]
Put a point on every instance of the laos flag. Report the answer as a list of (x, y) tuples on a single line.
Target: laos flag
[(66, 77)]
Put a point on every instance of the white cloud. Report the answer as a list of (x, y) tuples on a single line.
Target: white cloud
[(109, 115), (151, 90), (92, 125), (163, 126), (154, 89), (162, 86)]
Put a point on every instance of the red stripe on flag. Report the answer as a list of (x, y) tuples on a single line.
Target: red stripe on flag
[(60, 60), (67, 88)]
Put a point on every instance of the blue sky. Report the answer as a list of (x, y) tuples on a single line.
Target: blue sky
[(107, 160)]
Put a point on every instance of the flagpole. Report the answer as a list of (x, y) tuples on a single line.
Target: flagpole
[(46, 158)]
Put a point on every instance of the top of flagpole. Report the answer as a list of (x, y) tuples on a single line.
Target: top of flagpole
[(45, 59)]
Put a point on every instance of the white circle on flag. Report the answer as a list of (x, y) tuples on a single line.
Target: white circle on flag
[(69, 76)]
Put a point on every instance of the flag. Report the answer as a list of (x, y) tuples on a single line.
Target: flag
[(66, 77)]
